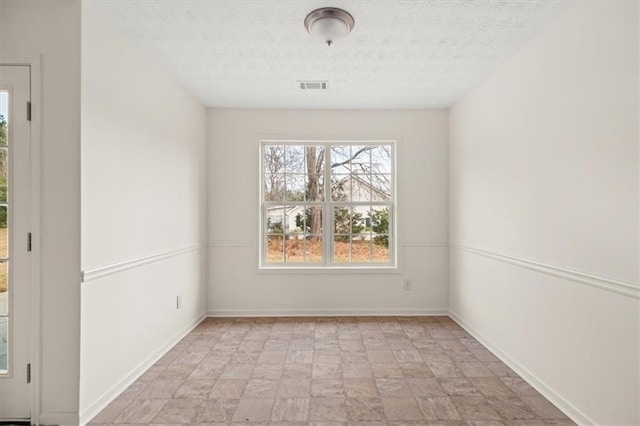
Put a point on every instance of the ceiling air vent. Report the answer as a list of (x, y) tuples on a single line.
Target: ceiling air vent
[(313, 85)]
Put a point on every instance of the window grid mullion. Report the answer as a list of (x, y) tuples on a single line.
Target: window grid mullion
[(327, 216)]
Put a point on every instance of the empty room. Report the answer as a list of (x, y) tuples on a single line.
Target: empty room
[(323, 213)]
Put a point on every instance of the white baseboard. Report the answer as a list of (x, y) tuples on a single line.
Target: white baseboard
[(325, 312), (565, 406), (99, 404), (59, 419)]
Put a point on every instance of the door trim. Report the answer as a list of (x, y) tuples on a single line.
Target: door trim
[(34, 62)]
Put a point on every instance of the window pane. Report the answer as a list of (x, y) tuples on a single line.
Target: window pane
[(340, 188), (341, 248), (294, 159), (313, 220), (360, 159), (4, 326), (4, 115), (4, 287), (273, 159), (380, 232), (295, 187), (273, 187), (381, 159), (4, 234), (314, 249), (294, 248), (340, 156), (4, 157), (275, 249), (314, 187), (314, 182), (360, 187), (360, 249), (380, 248), (347, 220), (381, 187)]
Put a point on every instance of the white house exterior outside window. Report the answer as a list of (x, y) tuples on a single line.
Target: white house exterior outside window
[(328, 204)]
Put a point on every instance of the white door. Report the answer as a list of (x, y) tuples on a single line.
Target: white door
[(15, 265)]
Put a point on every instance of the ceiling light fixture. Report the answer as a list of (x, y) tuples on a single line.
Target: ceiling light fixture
[(329, 24)]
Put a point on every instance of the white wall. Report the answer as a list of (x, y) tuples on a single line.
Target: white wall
[(143, 212), (544, 212), (52, 30), (236, 287)]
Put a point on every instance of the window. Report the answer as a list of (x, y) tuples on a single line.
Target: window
[(327, 204)]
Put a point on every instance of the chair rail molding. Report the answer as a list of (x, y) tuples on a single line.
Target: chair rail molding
[(624, 288), (114, 268)]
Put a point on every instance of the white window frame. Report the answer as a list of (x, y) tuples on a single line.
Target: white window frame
[(328, 210)]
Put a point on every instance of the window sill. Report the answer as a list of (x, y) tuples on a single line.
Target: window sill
[(374, 270)]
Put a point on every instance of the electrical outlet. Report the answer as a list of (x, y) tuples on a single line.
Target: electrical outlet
[(407, 284), (178, 302)]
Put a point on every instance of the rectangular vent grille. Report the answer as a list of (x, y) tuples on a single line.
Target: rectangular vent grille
[(313, 85)]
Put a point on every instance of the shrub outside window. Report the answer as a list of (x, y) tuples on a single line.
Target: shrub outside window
[(327, 204)]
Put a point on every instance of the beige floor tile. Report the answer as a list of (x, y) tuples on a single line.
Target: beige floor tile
[(387, 369), (364, 409), (245, 357), (141, 411), (327, 371), (328, 409), (392, 387), (360, 388), (407, 356), (177, 371), (253, 410), (216, 410), (542, 407), (294, 388), (297, 356), (327, 356), (237, 371), (267, 371), (293, 371), (228, 388), (438, 408), (519, 386), (160, 389), (272, 356), (474, 408), (178, 411), (377, 356), (428, 387), (194, 389), (445, 369), (357, 370), (191, 358), (454, 386), (490, 386), (261, 388), (401, 409), (291, 410), (475, 369), (327, 388), (511, 407), (111, 411), (207, 371), (416, 369)]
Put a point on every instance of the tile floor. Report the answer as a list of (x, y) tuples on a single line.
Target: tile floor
[(330, 371)]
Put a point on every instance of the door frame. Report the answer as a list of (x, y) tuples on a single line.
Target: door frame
[(34, 62)]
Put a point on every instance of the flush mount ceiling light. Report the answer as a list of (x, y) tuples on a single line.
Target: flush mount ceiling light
[(329, 24)]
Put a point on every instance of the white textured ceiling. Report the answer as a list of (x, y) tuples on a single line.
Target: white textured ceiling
[(401, 54)]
